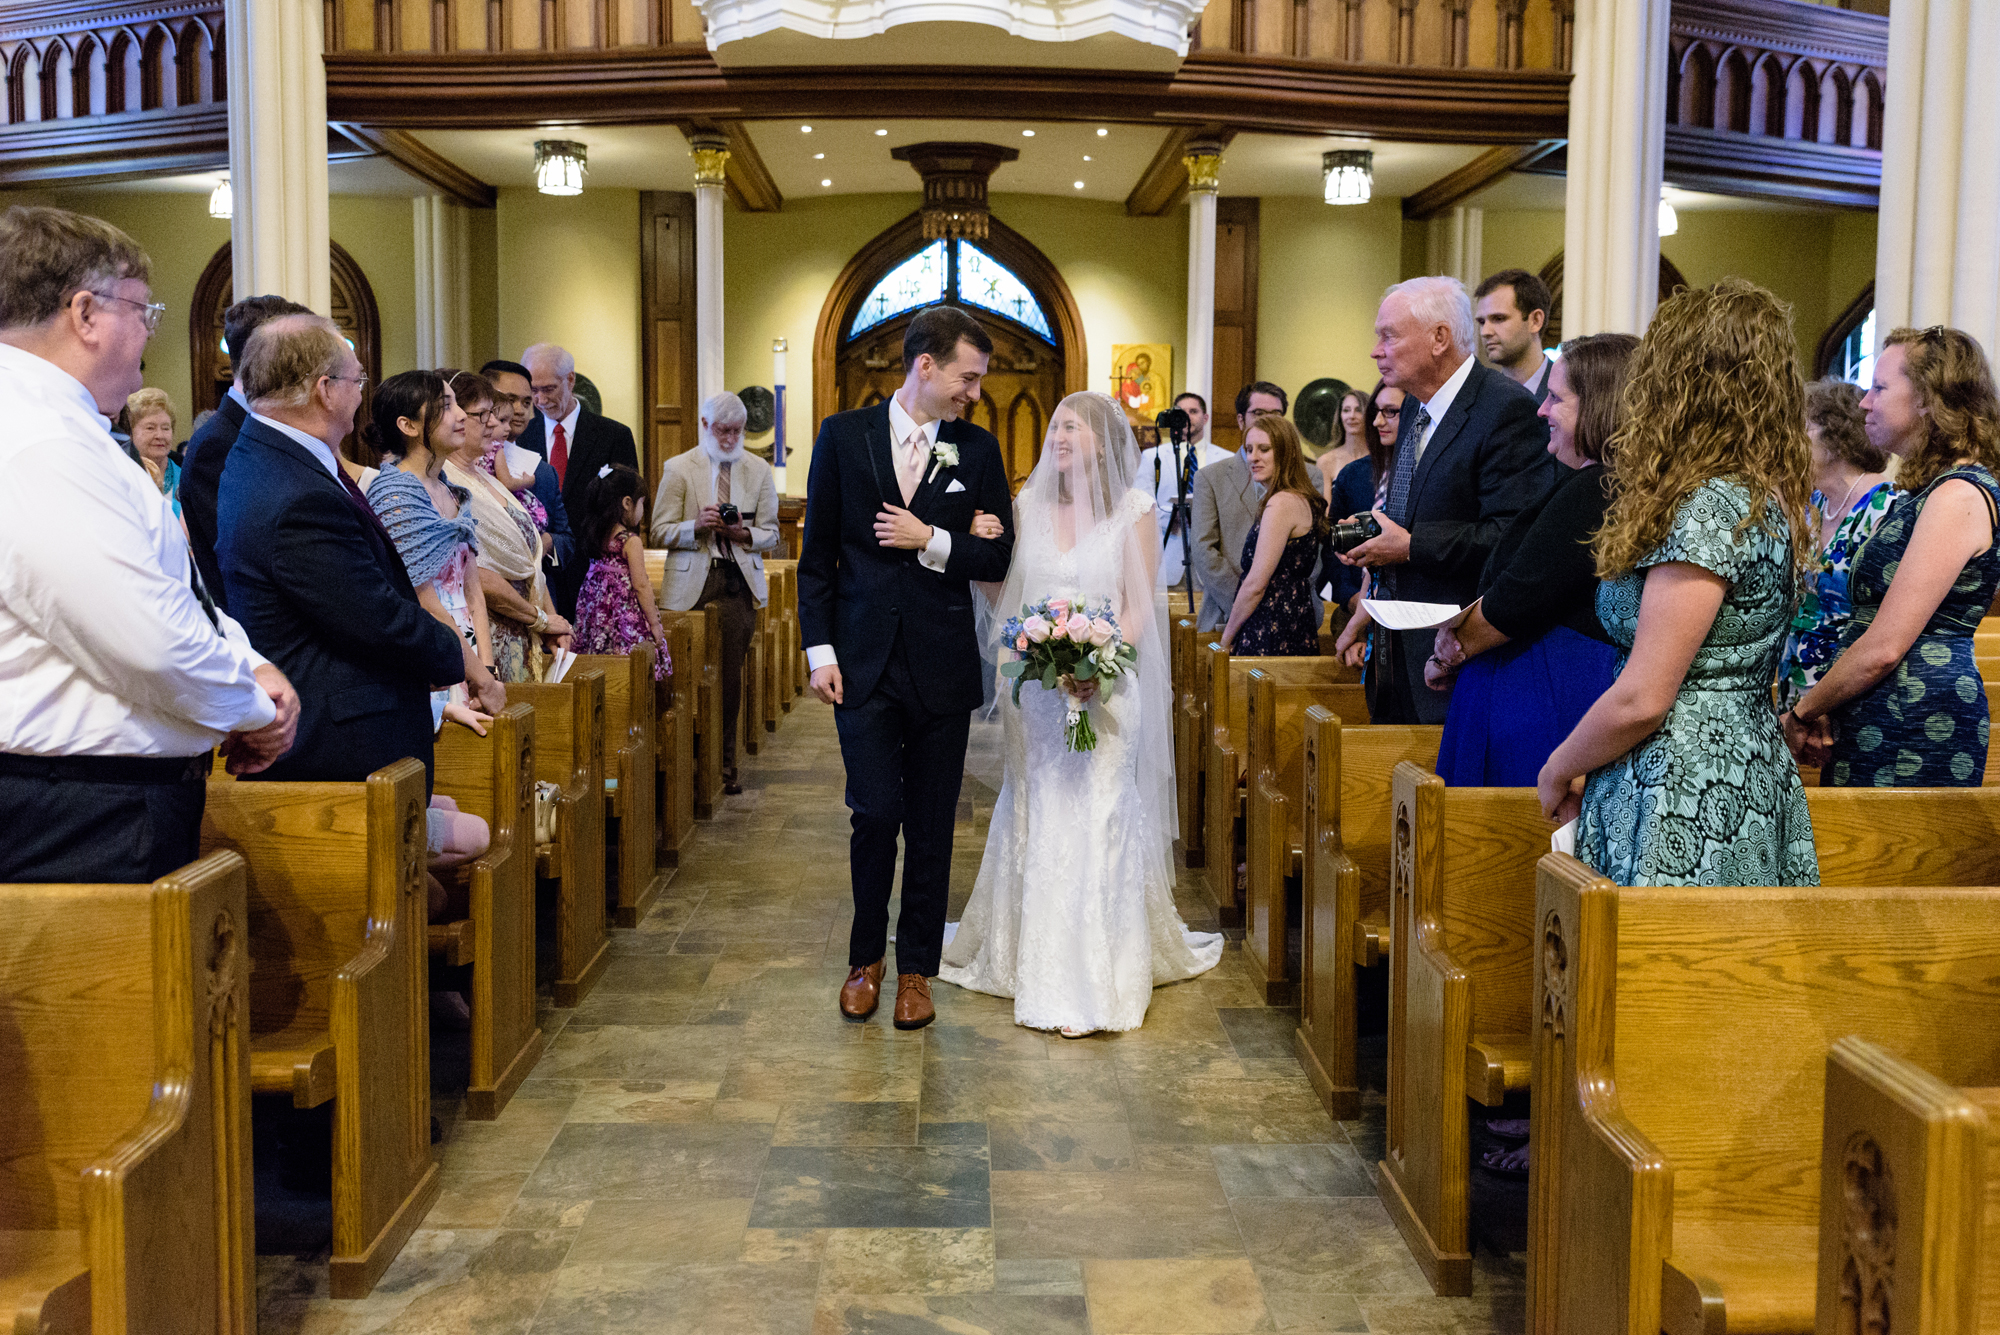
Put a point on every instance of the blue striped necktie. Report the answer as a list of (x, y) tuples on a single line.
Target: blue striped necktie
[(1398, 507)]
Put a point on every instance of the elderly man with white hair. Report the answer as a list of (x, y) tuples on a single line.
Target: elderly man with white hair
[(576, 442), (1470, 456), (716, 513)]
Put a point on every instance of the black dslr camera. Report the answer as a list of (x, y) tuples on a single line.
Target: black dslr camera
[(730, 515), (1351, 533)]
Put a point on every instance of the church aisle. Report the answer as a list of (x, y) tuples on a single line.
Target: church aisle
[(707, 1147)]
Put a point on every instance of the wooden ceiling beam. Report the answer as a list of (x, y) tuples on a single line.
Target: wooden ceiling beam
[(1163, 185), (746, 180), (1448, 192), (425, 163)]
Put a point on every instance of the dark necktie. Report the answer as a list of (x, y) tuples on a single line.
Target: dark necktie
[(201, 592), (1398, 507), (360, 502)]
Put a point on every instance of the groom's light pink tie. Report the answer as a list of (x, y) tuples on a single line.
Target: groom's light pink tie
[(910, 468)]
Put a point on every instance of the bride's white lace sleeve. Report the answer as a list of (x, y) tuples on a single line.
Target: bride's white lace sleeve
[(1137, 502)]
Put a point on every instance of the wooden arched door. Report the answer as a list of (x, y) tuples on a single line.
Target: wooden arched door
[(353, 311), (1003, 281)]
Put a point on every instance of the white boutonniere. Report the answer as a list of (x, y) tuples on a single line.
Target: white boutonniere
[(944, 454)]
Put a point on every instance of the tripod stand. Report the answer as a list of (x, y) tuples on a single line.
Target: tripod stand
[(1174, 421)]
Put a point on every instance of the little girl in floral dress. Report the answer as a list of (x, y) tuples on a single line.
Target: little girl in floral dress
[(615, 609)]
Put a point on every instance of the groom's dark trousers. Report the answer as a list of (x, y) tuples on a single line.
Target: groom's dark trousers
[(909, 661)]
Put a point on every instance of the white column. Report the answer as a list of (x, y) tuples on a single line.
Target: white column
[(1937, 253), (1203, 164), (710, 157), (1617, 146), (1455, 242), (444, 282), (277, 150)]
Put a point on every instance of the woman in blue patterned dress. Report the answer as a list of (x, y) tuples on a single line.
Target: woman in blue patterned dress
[(1679, 774), (1852, 496), (1903, 706), (1273, 611)]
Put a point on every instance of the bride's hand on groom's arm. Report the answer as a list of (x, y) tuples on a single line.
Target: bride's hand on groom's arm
[(986, 526), (897, 527)]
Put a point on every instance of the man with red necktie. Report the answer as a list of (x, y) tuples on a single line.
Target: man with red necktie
[(576, 442)]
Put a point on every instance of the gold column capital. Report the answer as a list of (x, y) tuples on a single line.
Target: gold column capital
[(1204, 168), (710, 160)]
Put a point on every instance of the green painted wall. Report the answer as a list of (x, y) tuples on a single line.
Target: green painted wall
[(569, 270), (1320, 275)]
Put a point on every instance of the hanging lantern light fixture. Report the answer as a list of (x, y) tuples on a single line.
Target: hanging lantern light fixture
[(222, 201), (560, 165), (1350, 175)]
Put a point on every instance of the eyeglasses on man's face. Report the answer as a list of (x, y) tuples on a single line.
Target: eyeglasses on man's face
[(149, 311), (358, 381)]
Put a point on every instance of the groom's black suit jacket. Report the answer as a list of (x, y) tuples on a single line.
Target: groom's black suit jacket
[(855, 594)]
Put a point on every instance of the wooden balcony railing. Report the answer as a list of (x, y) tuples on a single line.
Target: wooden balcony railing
[(440, 26), (64, 59), (1780, 70), (1453, 34)]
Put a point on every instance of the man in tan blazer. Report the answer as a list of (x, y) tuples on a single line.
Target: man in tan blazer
[(710, 561)]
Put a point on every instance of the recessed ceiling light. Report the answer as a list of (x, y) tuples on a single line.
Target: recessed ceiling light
[(1079, 185), (1102, 132), (1027, 134), (805, 129), (818, 156), (1086, 157), (826, 182), (881, 133)]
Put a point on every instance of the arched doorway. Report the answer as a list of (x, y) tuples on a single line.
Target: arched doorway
[(1009, 285), (1672, 280), (353, 311)]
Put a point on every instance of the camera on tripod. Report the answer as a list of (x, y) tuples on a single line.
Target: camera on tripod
[(1351, 533), (1174, 422)]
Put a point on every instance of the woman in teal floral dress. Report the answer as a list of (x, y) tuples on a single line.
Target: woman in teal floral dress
[(1852, 496), (1903, 705), (1679, 774)]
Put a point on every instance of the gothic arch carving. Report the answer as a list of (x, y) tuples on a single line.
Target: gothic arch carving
[(354, 311), (1671, 281)]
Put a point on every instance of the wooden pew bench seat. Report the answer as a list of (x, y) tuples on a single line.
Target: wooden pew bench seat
[(1746, 1278), (296, 1063), (44, 1283), (1497, 1065)]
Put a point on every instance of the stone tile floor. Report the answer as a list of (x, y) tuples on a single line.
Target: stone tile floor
[(708, 1147)]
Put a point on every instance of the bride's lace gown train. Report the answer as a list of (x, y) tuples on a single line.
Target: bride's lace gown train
[(1073, 912)]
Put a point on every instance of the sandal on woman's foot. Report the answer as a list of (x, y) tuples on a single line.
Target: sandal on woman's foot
[(1508, 1161), (1068, 1032), (1508, 1128)]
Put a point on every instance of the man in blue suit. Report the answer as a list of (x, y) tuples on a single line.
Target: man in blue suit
[(311, 574)]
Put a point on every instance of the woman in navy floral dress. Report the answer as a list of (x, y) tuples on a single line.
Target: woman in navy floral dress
[(1679, 775), (1903, 706), (1273, 614)]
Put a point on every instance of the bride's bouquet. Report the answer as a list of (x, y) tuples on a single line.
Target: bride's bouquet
[(1068, 637)]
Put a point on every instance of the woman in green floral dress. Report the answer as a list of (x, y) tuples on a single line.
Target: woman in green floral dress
[(1679, 774), (1903, 705)]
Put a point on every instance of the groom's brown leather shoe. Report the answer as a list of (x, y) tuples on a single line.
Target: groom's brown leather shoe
[(913, 1001), (862, 991)]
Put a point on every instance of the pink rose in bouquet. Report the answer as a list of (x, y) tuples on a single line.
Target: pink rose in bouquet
[(1062, 643)]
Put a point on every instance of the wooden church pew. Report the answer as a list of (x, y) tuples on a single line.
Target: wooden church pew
[(629, 765), (1462, 872), (673, 757), (1680, 1045), (1226, 750), (339, 989), (493, 778), (1274, 815), (1344, 885), (1190, 702), (750, 707), (704, 678), (1909, 1197), (569, 753), (125, 1106), (794, 651)]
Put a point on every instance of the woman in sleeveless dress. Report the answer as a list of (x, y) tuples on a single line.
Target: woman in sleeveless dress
[(1073, 913), (1274, 614), (1903, 706)]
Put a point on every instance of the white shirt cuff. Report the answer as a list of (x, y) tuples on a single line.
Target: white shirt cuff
[(819, 656), (937, 553)]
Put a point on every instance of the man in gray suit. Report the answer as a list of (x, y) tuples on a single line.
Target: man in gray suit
[(1225, 506), (713, 560)]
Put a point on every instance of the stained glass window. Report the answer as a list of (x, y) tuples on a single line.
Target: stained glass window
[(984, 281), (917, 281), (1855, 362)]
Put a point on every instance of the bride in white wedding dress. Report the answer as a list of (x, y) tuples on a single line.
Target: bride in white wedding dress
[(1073, 913)]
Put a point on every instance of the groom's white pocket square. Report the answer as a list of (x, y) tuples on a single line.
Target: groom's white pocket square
[(956, 485)]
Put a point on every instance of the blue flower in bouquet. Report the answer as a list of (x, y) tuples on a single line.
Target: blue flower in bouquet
[(1068, 640)]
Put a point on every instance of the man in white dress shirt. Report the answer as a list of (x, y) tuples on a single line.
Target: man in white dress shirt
[(714, 557), (120, 677), (1159, 467)]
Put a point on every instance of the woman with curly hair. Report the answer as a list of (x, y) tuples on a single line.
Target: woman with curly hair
[(1903, 706), (1679, 774)]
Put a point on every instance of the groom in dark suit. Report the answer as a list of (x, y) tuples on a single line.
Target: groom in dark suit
[(885, 610)]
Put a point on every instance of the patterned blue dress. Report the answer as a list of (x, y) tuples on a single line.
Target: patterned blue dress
[(1815, 639), (1712, 797), (1283, 623), (1925, 724)]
